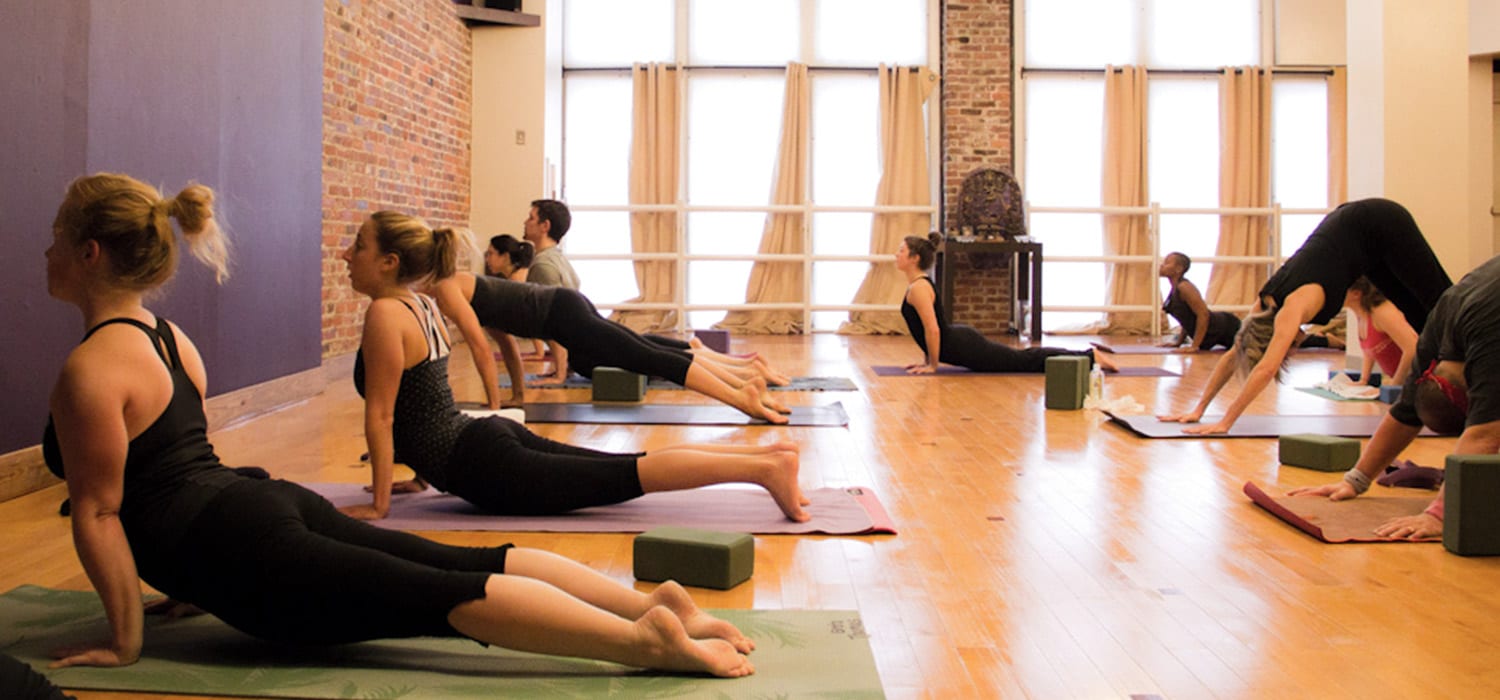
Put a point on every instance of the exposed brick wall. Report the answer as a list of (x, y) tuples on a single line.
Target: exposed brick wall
[(977, 132), (396, 131)]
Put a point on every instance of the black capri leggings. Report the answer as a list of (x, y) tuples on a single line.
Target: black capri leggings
[(1401, 263), (967, 347), (574, 322), (584, 362), (503, 468), (279, 562)]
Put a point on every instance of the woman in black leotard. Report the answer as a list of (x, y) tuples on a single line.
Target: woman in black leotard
[(495, 463), (1373, 237), (561, 314), (150, 500), (1201, 329), (957, 344)]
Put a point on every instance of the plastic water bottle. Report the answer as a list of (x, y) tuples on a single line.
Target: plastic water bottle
[(1096, 383)]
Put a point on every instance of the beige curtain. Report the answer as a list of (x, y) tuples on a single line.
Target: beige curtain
[(781, 281), (1338, 136), (1244, 181), (653, 180), (903, 181), (1124, 184)]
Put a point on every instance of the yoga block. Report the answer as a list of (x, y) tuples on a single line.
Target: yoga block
[(1324, 453), (1067, 382), (1471, 488), (615, 384), (718, 341), (1353, 375), (1389, 394), (691, 557)]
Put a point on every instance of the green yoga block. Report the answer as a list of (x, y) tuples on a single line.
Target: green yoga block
[(1067, 382), (1471, 489), (1324, 453), (615, 384), (691, 557)]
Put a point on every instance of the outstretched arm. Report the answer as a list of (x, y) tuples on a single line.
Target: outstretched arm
[(1482, 439), (1222, 371), (1390, 437), (1189, 293), (921, 297), (451, 302), (1288, 326), (510, 350), (384, 357), (88, 412)]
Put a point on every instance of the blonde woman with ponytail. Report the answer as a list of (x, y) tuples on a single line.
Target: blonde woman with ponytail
[(151, 501)]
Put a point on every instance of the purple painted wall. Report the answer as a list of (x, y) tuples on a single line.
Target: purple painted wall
[(227, 94)]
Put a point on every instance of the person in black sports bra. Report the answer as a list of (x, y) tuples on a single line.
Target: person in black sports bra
[(152, 502), (1376, 238), (1198, 327), (496, 463), (958, 344)]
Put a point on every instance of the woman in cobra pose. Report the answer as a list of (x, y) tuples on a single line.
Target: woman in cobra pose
[(495, 463), (561, 314), (1201, 329), (152, 502), (957, 344), (1384, 335), (1373, 237)]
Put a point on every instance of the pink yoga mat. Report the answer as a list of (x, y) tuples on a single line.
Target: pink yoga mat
[(836, 511), (895, 371), (1338, 522)]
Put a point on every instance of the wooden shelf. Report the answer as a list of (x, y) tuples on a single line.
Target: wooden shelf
[(487, 16)]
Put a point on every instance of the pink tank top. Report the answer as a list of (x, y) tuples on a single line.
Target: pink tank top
[(1378, 345)]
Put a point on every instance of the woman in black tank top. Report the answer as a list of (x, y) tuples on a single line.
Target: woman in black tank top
[(1199, 328), (958, 344), (151, 502)]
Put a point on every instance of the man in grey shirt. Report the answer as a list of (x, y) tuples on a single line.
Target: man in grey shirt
[(545, 228)]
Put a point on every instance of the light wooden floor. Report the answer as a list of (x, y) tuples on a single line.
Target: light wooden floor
[(1042, 554)]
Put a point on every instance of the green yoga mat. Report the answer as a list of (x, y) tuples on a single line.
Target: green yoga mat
[(799, 653)]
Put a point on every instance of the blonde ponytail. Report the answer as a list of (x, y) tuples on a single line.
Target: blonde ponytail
[(193, 210)]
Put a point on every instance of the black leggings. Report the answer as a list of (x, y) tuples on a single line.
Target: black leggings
[(506, 469), (279, 562), (1401, 264), (967, 347), (574, 322), (584, 362)]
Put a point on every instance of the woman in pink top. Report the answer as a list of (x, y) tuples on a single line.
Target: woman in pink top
[(1384, 334)]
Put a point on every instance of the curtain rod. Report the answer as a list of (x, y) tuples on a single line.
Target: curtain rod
[(602, 69), (1177, 71)]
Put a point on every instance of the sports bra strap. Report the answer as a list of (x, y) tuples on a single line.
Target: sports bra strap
[(428, 321), (160, 336)]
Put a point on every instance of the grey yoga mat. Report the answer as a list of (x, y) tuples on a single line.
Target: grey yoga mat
[(797, 384), (836, 511), (1257, 426), (675, 414)]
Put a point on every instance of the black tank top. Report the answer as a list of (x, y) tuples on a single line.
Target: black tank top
[(516, 308), (427, 421), (1179, 309), (914, 319), (171, 471)]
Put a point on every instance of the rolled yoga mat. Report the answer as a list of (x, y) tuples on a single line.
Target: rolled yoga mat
[(1257, 426), (895, 371), (797, 384), (835, 511), (1337, 522), (676, 414), (798, 653)]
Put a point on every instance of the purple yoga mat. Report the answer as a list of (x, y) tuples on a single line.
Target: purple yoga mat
[(836, 511), (894, 371)]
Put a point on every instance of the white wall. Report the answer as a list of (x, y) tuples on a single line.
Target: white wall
[(1310, 33), (1484, 27), (509, 97)]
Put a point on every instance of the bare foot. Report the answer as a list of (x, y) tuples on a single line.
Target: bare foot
[(772, 376), (754, 406), (1103, 361), (665, 645), (699, 624), (781, 481)]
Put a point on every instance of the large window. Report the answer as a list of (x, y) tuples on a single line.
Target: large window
[(732, 58), (1182, 44)]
